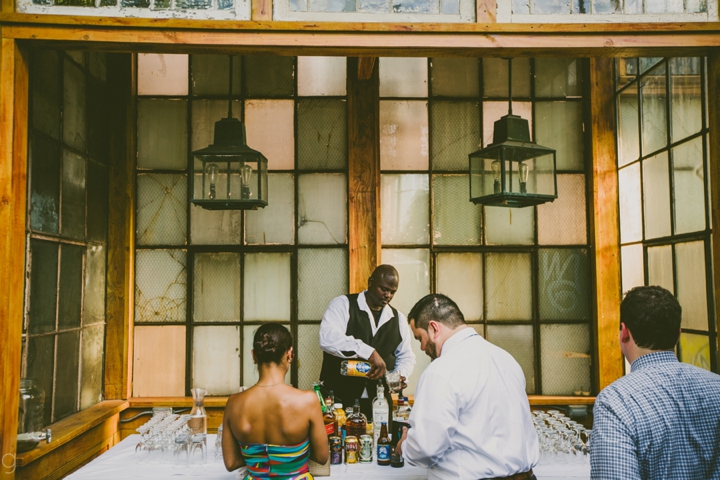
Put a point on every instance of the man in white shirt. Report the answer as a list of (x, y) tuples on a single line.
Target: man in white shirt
[(365, 326), (471, 418)]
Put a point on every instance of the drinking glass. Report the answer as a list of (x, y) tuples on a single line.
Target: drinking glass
[(198, 449), (180, 454), (393, 380), (218, 443)]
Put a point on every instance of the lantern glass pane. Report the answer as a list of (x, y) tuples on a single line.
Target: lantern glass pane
[(329, 264), (322, 209), (563, 284), (559, 125), (455, 77), (654, 119), (322, 134), (455, 131), (508, 280), (162, 134), (160, 286), (557, 77), (509, 226), (269, 76), (405, 209), (310, 357), (266, 281), (66, 374), (630, 204), (74, 114), (204, 115), (413, 266), (403, 135), (216, 287), (517, 340), (159, 361), (460, 277), (321, 76), (214, 346), (691, 286), (162, 74), (456, 221), (162, 209), (274, 224), (660, 267), (689, 188), (495, 78), (209, 75), (633, 266), (564, 221), (628, 126), (93, 341), (686, 100), (695, 350), (656, 196), (270, 126), (403, 77), (565, 357)]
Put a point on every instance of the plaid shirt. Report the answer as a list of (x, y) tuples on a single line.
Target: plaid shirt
[(661, 421)]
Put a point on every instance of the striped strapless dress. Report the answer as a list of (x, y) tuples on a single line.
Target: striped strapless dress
[(285, 462)]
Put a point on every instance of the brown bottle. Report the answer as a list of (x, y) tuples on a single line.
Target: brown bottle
[(356, 424), (383, 446), (331, 425)]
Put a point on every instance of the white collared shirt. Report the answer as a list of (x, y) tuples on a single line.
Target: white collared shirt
[(471, 417), (334, 341)]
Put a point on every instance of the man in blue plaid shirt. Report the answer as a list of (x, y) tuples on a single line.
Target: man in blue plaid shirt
[(661, 421)]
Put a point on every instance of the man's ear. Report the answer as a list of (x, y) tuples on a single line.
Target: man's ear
[(625, 335)]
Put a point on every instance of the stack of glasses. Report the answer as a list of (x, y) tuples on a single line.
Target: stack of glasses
[(562, 440), (166, 439)]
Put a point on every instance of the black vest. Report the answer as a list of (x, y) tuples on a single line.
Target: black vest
[(386, 341)]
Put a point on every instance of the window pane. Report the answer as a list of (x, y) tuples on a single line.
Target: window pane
[(559, 125), (691, 290), (269, 76), (493, 111), (97, 197), (688, 177), (686, 100), (415, 6), (563, 284), (322, 134), (517, 340), (43, 286), (654, 125), (73, 195), (495, 78), (551, 6), (633, 269), (40, 366), (44, 184), (66, 374), (509, 226), (160, 286), (656, 196), (508, 280), (162, 134), (628, 137), (216, 287), (328, 265), (71, 280), (403, 77), (214, 227), (695, 350), (74, 134), (159, 361), (205, 113), (309, 356), (413, 266), (214, 347), (267, 286), (455, 77), (162, 209), (210, 74), (94, 299), (270, 130), (565, 359), (405, 209), (660, 267), (403, 135), (93, 346), (630, 204), (322, 209), (162, 74), (250, 371), (563, 222), (46, 92), (558, 77), (460, 277), (276, 222), (322, 76), (456, 221), (646, 63), (455, 130)]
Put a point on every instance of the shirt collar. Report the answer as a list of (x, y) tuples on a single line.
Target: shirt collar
[(456, 338), (654, 358), (386, 311)]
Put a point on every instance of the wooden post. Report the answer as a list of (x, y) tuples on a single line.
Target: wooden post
[(604, 225), (713, 89), (261, 10), (121, 227), (13, 202), (363, 173)]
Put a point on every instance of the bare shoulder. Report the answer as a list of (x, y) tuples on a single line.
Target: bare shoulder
[(304, 399), (235, 401)]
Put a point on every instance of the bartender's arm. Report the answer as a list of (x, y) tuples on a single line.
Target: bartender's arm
[(332, 332), (404, 355)]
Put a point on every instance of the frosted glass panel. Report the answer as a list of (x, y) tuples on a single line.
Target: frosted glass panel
[(250, 371), (216, 359), (633, 267), (695, 350), (455, 77), (209, 75), (660, 267), (322, 209), (654, 120), (269, 75), (565, 359), (517, 340), (309, 356), (493, 111), (270, 130), (322, 134), (160, 285), (460, 277), (686, 100), (559, 125), (162, 209), (204, 115), (162, 134), (563, 286), (405, 209), (91, 364), (73, 195), (267, 286), (656, 196), (456, 221), (455, 131), (558, 77), (403, 135), (216, 287), (74, 113), (322, 76), (689, 187), (413, 265), (509, 226), (94, 297), (214, 227), (274, 223), (630, 204), (328, 265), (159, 361), (403, 77), (495, 78), (508, 280), (691, 292), (564, 221), (162, 74)]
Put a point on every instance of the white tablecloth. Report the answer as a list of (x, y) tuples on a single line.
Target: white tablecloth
[(120, 463)]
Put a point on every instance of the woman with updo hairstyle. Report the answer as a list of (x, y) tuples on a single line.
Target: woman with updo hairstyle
[(273, 428)]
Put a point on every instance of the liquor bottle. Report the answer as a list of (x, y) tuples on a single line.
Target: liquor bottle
[(383, 446), (381, 411), (354, 368), (400, 407), (331, 424), (357, 422), (340, 415)]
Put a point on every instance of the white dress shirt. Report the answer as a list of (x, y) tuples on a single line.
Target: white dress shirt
[(471, 418), (334, 341)]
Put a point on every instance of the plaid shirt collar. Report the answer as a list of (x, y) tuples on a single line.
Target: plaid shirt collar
[(654, 358)]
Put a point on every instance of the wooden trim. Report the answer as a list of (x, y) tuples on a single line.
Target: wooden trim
[(486, 11), (559, 400), (261, 10), (13, 201), (605, 233), (363, 174), (713, 89), (7, 6), (149, 402), (365, 67)]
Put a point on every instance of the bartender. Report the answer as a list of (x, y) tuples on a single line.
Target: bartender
[(364, 326)]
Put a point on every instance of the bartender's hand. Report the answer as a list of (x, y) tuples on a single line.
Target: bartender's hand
[(398, 448), (403, 385), (377, 369)]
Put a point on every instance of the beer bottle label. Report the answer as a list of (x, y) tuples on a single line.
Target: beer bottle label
[(383, 452)]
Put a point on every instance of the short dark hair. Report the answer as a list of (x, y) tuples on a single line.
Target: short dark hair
[(653, 316), (270, 343), (438, 307)]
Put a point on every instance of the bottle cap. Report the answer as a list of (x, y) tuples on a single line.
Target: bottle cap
[(337, 406)]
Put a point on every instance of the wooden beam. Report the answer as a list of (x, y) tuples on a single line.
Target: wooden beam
[(486, 11), (604, 225), (261, 10), (364, 174), (13, 201), (365, 67), (713, 89), (7, 6)]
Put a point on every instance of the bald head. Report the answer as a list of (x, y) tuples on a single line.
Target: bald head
[(384, 271), (382, 285)]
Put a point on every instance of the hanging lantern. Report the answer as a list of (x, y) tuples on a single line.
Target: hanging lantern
[(229, 175), (512, 171)]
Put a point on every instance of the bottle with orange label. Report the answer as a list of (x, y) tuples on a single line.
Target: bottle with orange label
[(331, 423)]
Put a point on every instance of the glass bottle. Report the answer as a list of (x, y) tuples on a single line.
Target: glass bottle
[(31, 407), (198, 416), (357, 422), (383, 446), (331, 424), (340, 415), (381, 411), (400, 407)]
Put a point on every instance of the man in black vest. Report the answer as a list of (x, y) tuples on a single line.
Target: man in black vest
[(364, 326)]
